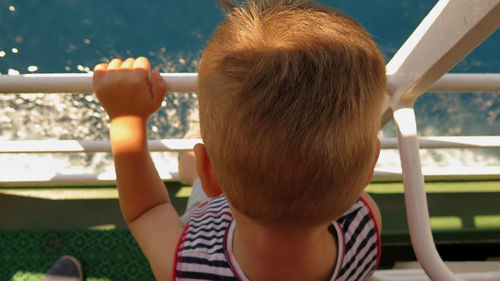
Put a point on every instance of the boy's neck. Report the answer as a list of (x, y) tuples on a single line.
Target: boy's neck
[(267, 254)]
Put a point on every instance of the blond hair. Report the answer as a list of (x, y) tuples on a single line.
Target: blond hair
[(290, 98)]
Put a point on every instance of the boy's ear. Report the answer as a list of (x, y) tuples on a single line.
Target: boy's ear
[(375, 159), (205, 171)]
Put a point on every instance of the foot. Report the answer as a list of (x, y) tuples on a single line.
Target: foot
[(66, 268)]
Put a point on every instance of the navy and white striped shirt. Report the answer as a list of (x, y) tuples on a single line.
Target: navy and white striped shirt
[(204, 249)]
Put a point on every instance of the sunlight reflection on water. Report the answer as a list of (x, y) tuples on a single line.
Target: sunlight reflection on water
[(80, 116), (76, 35)]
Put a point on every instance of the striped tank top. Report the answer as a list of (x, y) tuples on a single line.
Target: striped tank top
[(204, 251)]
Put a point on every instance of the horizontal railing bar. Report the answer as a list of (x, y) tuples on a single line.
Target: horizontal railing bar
[(87, 179), (467, 82), (448, 142), (74, 146), (188, 82), (442, 173), (177, 145), (380, 175), (81, 83)]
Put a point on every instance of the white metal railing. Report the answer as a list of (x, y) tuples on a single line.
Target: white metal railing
[(188, 82), (74, 146), (182, 82), (447, 34), (177, 145), (81, 83)]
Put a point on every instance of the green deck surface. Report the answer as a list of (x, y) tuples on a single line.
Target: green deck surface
[(104, 254), (38, 225)]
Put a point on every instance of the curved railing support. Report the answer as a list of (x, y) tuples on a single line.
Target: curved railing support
[(416, 199)]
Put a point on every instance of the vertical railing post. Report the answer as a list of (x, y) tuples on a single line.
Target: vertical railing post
[(415, 196)]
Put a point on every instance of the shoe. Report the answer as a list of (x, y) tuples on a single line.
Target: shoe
[(66, 268)]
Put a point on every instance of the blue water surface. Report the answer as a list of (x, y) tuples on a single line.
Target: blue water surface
[(54, 34)]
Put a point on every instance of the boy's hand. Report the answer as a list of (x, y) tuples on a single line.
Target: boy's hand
[(129, 88), (130, 93)]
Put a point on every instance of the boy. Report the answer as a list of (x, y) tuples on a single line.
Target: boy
[(290, 95)]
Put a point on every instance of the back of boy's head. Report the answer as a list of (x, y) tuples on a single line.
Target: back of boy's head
[(290, 100)]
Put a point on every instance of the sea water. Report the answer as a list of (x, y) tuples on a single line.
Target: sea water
[(68, 36)]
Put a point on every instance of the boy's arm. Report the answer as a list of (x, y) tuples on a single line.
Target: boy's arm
[(130, 93)]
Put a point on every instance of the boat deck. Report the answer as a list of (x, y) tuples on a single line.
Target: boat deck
[(44, 223)]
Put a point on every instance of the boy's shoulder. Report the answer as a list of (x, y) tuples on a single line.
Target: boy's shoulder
[(358, 237), (204, 248), (217, 205)]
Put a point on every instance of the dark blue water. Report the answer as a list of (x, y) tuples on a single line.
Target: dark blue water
[(61, 36), (57, 34)]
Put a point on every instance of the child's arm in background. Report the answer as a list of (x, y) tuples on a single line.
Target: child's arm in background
[(130, 93)]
